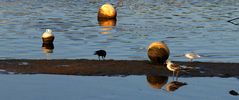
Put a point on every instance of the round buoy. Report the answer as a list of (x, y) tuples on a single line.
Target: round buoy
[(158, 52), (107, 11)]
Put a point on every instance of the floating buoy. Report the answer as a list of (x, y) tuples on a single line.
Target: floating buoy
[(158, 52), (48, 36), (107, 11)]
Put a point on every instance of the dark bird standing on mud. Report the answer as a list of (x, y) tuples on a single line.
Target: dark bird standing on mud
[(100, 53)]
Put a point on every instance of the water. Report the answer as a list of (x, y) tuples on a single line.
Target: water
[(185, 25), (62, 87)]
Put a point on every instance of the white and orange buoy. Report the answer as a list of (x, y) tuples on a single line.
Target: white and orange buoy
[(48, 36), (158, 52), (107, 11)]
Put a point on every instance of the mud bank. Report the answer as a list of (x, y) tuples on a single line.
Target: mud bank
[(115, 68)]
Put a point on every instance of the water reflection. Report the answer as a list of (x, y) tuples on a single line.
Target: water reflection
[(158, 82), (47, 48), (174, 85), (106, 25)]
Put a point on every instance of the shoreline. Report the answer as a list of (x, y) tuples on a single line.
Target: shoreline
[(86, 67)]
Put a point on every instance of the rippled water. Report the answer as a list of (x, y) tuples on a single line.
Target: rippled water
[(185, 25)]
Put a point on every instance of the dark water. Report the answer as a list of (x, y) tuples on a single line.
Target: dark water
[(185, 25)]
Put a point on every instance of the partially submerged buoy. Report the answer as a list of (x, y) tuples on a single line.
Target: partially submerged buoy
[(48, 36), (158, 52), (107, 11)]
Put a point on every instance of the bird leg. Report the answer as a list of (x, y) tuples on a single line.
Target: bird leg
[(99, 57), (173, 75), (177, 75)]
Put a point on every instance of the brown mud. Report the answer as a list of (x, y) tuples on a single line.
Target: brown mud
[(116, 68)]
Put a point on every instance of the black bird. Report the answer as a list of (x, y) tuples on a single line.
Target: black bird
[(100, 53)]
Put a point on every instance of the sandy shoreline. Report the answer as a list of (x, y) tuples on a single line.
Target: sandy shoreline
[(115, 67)]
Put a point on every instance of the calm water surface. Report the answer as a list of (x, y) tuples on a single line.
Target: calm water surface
[(185, 25), (61, 87)]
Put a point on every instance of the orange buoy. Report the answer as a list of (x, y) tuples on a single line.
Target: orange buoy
[(158, 52), (107, 11)]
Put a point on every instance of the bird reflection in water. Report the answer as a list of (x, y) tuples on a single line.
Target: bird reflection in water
[(161, 82), (174, 85)]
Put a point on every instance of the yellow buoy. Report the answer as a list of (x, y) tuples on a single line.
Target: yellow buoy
[(107, 11), (158, 52)]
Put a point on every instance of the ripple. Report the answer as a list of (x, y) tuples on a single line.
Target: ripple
[(184, 26)]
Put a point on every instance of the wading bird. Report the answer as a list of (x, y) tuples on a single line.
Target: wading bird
[(192, 55), (174, 68)]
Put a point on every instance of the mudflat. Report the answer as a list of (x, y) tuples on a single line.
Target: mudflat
[(116, 67)]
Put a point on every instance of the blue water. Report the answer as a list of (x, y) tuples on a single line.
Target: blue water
[(62, 87), (185, 25)]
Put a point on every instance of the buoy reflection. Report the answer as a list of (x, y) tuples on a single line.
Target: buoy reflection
[(157, 81), (47, 48), (106, 25)]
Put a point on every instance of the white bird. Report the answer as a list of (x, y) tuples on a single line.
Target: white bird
[(192, 55), (173, 67)]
